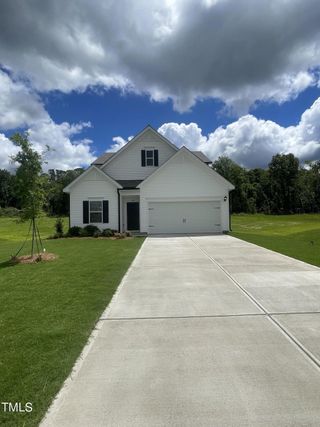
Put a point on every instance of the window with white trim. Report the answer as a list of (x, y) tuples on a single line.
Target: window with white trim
[(95, 211)]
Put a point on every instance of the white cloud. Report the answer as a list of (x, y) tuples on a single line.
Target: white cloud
[(183, 50), (252, 142), (66, 152), (119, 142), (7, 150), (181, 134), (19, 106)]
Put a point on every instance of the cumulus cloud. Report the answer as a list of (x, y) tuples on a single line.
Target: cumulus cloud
[(8, 149), (119, 142), (238, 51), (66, 151), (19, 106), (252, 142)]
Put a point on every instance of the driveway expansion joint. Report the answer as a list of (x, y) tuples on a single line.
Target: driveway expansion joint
[(205, 316), (314, 360)]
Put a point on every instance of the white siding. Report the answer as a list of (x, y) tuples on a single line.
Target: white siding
[(128, 164), (93, 185), (183, 178)]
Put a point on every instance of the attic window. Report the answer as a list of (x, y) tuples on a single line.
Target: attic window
[(149, 158)]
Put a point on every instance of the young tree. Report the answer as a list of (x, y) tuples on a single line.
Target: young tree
[(29, 185)]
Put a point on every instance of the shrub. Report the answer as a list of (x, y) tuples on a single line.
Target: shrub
[(59, 227), (119, 235), (97, 233), (107, 232), (89, 230), (74, 231), (9, 212)]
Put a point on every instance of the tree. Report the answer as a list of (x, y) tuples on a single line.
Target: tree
[(29, 185), (259, 179), (283, 175), (309, 187), (6, 189), (58, 201), (243, 196)]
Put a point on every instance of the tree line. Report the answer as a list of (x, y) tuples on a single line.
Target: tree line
[(56, 201), (284, 187)]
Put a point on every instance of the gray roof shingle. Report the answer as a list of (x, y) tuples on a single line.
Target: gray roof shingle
[(102, 159), (129, 183), (201, 156)]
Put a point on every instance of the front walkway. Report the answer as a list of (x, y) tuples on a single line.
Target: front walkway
[(204, 331)]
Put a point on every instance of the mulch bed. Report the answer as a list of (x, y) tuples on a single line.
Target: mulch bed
[(28, 259)]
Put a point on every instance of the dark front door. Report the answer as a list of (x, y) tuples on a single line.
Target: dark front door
[(133, 220)]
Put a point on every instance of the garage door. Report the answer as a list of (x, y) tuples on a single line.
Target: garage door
[(184, 217)]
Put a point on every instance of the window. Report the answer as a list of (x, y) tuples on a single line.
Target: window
[(95, 210), (149, 157)]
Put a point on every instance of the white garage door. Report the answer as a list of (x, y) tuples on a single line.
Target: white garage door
[(184, 217)]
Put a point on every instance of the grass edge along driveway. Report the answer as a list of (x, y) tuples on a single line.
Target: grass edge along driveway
[(47, 312), (297, 236)]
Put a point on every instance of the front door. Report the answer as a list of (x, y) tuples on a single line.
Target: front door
[(133, 220)]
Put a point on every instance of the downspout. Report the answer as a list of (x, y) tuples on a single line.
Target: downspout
[(69, 212), (118, 191), (230, 204)]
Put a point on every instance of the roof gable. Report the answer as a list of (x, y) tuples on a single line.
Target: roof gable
[(148, 129), (85, 173), (195, 158)]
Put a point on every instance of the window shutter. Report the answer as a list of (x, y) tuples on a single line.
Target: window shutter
[(106, 211), (85, 206), (143, 157), (156, 158)]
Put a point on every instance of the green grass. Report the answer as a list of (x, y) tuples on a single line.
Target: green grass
[(48, 310), (13, 230), (297, 236)]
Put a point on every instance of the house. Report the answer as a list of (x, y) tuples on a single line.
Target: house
[(151, 186)]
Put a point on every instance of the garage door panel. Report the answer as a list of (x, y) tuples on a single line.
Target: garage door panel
[(184, 217)]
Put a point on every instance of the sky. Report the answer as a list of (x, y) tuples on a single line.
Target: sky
[(238, 79)]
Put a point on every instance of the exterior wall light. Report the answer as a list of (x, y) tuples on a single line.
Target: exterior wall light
[(225, 198)]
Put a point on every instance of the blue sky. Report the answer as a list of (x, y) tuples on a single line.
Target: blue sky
[(83, 76), (114, 114)]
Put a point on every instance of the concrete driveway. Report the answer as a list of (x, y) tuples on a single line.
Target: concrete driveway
[(203, 331)]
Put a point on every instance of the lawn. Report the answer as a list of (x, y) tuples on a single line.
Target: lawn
[(47, 311), (295, 235)]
